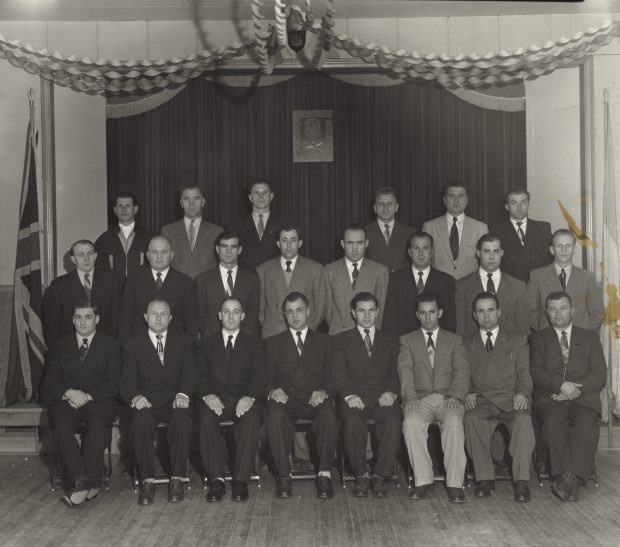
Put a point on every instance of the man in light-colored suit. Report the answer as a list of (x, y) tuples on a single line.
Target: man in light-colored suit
[(562, 275), (511, 292), (192, 238), (290, 272), (350, 275), (455, 234), (387, 238), (434, 379)]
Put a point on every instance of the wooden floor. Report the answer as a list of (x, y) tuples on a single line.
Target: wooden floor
[(32, 515)]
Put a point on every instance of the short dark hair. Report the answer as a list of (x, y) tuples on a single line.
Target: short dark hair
[(454, 184), (558, 295), (386, 191), (293, 297), (227, 233), (516, 191), (488, 238), (426, 297), (484, 295), (259, 181), (82, 242), (561, 232), (364, 297), (126, 195), (420, 235), (233, 299), (83, 303), (191, 187), (356, 226), (289, 227)]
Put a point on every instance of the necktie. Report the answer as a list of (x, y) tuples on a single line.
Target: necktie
[(192, 235), (430, 347), (300, 342), (420, 285), (288, 266), (88, 288), (229, 282), (454, 240), (158, 281), (564, 346), (490, 283), (489, 344), (160, 348), (354, 274), (367, 341), (520, 232), (229, 347), (83, 348), (386, 233), (260, 227), (562, 277)]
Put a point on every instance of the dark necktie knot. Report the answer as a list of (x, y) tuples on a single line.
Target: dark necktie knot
[(84, 348), (288, 266), (429, 342), (87, 278)]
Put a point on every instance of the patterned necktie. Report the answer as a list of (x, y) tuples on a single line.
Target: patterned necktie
[(386, 233), (88, 288), (520, 232), (300, 342), (489, 344), (158, 281), (192, 235), (562, 277), (160, 348), (420, 285), (229, 282), (260, 227), (354, 275), (430, 347), (84, 348), (367, 341), (229, 347), (490, 283), (454, 240), (288, 266), (564, 346)]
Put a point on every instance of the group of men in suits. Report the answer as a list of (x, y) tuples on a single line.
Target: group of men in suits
[(213, 293)]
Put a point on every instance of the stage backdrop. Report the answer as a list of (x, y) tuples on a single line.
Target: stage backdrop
[(412, 137)]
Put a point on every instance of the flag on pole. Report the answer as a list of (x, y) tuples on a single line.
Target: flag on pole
[(27, 342)]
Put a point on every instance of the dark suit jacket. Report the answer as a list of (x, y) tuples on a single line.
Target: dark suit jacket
[(202, 258), (177, 290), (299, 375), (210, 292), (505, 373), (394, 255), (356, 373), (111, 254), (244, 375), (256, 251), (400, 306), (99, 374), (519, 260), (586, 365), (66, 290), (143, 373), (512, 296)]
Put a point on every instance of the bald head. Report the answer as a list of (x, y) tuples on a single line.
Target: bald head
[(159, 253)]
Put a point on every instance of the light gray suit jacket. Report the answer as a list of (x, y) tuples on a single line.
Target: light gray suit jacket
[(467, 261), (306, 279), (373, 278), (202, 258)]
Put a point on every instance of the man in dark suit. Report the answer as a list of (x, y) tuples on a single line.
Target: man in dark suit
[(159, 280), (511, 292), (122, 249), (227, 279), (586, 295), (290, 272), (231, 383), (259, 230), (407, 284), (192, 237), (159, 376), (568, 368), (387, 238), (84, 283), (434, 377), (299, 385), (365, 376), (83, 370), (525, 241), (500, 391)]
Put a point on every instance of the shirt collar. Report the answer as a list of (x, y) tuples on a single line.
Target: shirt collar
[(127, 229), (80, 338), (265, 216), (153, 337), (292, 260), (226, 334), (163, 273), (372, 330), (224, 270), (90, 275), (567, 269), (483, 335), (188, 221), (425, 271), (303, 331), (568, 330), (459, 218), (350, 264), (382, 225), (523, 223)]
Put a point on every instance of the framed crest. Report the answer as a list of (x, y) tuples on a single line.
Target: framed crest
[(313, 135)]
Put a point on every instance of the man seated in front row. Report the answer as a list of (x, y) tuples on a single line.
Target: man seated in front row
[(434, 375), (500, 391), (231, 382), (81, 381), (158, 378), (364, 371), (568, 369), (299, 385)]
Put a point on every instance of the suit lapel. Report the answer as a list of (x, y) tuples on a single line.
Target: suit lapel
[(552, 279), (420, 341), (77, 285)]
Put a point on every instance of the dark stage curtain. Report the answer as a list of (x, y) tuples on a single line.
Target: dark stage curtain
[(412, 137)]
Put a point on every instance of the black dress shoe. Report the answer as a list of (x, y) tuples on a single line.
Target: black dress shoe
[(360, 489), (284, 489), (175, 491), (522, 491), (574, 493), (379, 487), (78, 493), (216, 490), (240, 491), (564, 488), (324, 488), (483, 489), (456, 495), (419, 492), (147, 493)]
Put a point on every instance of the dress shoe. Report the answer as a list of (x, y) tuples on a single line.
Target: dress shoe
[(324, 488), (147, 493), (379, 487), (239, 491), (216, 490), (483, 489), (565, 486), (574, 494), (284, 489), (78, 493), (522, 491), (360, 489), (92, 493), (175, 490), (456, 495), (419, 492)]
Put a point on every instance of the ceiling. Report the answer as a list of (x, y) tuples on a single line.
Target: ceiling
[(150, 10)]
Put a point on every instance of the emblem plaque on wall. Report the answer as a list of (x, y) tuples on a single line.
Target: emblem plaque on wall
[(313, 135)]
